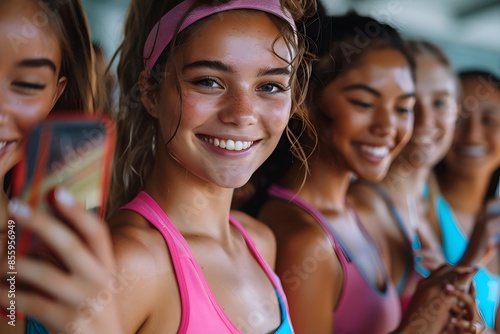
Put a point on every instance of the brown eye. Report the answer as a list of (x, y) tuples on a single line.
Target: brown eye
[(404, 110), (271, 88), (361, 104), (207, 82), (27, 86), (440, 103)]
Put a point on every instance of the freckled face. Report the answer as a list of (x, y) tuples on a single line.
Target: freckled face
[(368, 114), (435, 114), (236, 99), (30, 59), (475, 149)]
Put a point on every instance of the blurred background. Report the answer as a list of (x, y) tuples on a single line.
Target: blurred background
[(468, 30)]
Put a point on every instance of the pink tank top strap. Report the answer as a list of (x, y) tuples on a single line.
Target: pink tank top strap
[(284, 193), (200, 310), (378, 312), (260, 259), (144, 205)]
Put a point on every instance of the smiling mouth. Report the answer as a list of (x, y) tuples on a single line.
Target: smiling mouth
[(423, 140), (376, 151), (472, 151), (228, 144)]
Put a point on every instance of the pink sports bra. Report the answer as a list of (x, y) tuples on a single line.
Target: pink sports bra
[(362, 308), (201, 313)]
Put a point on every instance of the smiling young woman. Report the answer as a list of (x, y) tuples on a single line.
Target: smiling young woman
[(395, 210), (203, 104), (464, 177)]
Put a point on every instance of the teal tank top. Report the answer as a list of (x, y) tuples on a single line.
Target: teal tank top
[(454, 245)]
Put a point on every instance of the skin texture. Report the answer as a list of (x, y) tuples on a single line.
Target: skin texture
[(435, 113), (369, 104)]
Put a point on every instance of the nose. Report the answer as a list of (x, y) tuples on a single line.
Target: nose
[(241, 108), (424, 116), (384, 122), (471, 130)]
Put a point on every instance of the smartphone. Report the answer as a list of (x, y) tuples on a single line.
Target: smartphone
[(73, 152)]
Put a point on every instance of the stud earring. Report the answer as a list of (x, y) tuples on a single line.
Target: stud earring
[(153, 141)]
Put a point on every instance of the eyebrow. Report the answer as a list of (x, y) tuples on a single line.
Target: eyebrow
[(218, 65), (39, 62), (442, 92), (274, 71), (374, 91)]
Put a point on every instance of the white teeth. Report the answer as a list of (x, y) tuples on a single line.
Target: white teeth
[(474, 151), (230, 145), (377, 151), (422, 140), (2, 144)]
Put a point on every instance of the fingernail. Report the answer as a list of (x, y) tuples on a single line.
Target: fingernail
[(418, 258), (65, 197), (449, 287), (19, 209), (453, 320)]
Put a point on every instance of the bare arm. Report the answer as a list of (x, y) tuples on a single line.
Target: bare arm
[(308, 267)]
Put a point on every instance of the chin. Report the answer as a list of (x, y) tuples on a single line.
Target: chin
[(228, 181)]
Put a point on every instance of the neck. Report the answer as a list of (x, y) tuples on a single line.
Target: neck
[(193, 205), (405, 180), (464, 194), (326, 186)]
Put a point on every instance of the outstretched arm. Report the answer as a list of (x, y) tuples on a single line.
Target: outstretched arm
[(312, 278)]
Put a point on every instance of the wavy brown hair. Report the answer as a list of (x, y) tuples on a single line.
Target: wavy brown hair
[(134, 154), (67, 18)]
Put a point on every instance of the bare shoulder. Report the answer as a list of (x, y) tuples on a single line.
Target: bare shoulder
[(260, 234), (143, 261), (298, 234), (137, 244), (307, 262)]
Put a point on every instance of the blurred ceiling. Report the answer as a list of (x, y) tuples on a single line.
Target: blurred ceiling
[(468, 30), (475, 23)]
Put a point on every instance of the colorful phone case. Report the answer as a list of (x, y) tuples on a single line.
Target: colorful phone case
[(68, 151)]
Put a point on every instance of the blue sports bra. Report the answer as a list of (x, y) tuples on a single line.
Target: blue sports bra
[(454, 245)]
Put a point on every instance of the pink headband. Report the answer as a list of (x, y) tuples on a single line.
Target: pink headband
[(163, 32)]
